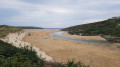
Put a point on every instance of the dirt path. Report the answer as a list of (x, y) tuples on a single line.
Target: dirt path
[(63, 50)]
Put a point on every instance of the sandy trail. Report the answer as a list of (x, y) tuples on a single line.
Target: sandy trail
[(63, 50)]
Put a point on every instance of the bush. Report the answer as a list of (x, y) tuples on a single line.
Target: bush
[(11, 56)]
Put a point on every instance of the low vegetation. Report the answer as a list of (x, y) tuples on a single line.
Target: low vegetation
[(5, 30), (11, 56), (110, 27)]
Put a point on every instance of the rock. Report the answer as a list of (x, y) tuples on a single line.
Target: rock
[(28, 34), (109, 38)]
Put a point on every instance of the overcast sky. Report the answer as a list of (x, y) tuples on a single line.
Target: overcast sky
[(56, 13)]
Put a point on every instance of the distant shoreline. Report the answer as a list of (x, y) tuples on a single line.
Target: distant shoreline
[(28, 27), (43, 29)]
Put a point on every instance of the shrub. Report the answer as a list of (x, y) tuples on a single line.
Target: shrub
[(11, 56)]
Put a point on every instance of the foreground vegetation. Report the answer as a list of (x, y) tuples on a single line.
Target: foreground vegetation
[(11, 56), (110, 27), (5, 30)]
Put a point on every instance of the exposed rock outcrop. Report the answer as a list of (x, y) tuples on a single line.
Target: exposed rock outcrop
[(109, 38)]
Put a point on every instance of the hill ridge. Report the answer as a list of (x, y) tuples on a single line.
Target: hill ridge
[(109, 27)]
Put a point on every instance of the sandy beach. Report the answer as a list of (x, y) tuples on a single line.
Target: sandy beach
[(63, 50)]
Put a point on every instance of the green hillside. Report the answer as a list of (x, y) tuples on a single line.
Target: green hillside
[(109, 27), (28, 27), (5, 30)]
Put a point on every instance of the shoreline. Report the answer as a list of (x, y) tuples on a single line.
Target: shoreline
[(84, 37), (16, 40)]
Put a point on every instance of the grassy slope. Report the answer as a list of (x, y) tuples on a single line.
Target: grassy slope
[(108, 27), (5, 30), (11, 56)]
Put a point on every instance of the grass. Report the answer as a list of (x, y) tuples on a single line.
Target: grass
[(5, 30), (10, 56)]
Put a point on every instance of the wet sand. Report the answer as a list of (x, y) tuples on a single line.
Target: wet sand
[(62, 50)]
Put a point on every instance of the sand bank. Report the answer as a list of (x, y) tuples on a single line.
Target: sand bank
[(84, 37), (15, 40), (63, 50)]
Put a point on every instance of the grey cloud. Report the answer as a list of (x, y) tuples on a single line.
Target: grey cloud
[(57, 13)]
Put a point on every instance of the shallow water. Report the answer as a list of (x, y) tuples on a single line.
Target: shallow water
[(98, 42)]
